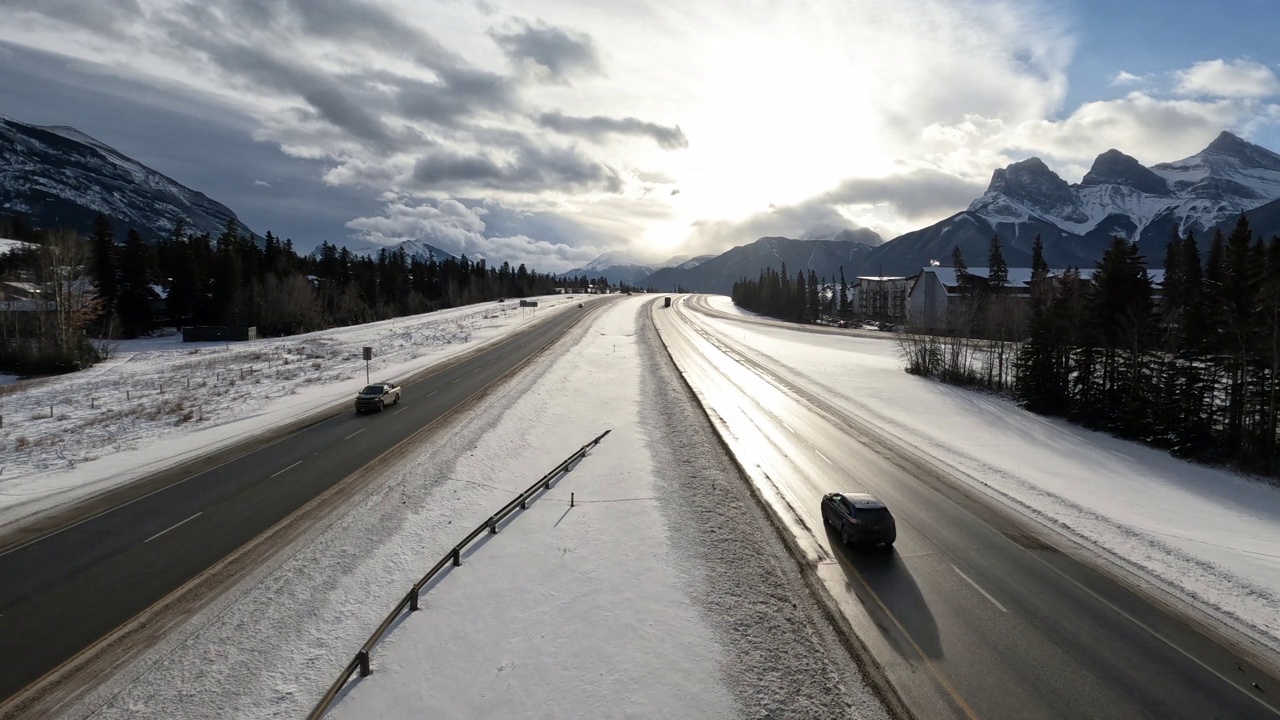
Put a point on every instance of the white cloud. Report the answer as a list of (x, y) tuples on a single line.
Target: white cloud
[(1233, 79), (1126, 78), (261, 183)]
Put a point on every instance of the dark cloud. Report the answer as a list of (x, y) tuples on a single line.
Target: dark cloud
[(99, 15), (558, 52), (530, 169), (346, 21), (596, 127), (449, 101), (922, 193), (913, 195)]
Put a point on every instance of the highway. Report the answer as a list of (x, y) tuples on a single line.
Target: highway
[(64, 590), (972, 615)]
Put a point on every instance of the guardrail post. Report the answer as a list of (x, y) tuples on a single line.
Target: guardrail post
[(457, 557), (363, 657), (413, 599), (570, 499), (524, 504), (493, 526)]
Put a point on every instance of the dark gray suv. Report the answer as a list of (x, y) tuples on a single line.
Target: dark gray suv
[(860, 518)]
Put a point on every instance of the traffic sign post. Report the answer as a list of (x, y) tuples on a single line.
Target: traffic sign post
[(368, 355)]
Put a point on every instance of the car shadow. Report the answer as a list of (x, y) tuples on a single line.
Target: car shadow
[(886, 588)]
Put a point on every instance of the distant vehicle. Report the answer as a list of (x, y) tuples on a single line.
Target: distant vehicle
[(860, 518), (377, 396), (579, 304)]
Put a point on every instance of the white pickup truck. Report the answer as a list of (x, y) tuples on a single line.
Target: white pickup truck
[(377, 396)]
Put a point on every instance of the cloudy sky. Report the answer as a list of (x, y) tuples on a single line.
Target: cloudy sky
[(550, 131)]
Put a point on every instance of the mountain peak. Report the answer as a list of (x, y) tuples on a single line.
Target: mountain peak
[(1227, 143), (1115, 168), (1029, 184), (1232, 146)]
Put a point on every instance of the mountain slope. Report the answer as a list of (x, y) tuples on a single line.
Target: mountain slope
[(717, 275), (60, 177), (413, 248)]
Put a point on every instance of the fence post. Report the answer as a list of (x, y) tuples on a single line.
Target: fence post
[(413, 599), (363, 657), (570, 499)]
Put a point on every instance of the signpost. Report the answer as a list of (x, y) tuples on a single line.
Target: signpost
[(368, 355)]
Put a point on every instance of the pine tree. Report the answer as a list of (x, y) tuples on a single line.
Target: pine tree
[(997, 270), (843, 309), (135, 295), (1039, 268), (105, 265)]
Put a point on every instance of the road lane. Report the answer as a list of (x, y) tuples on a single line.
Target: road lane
[(62, 592), (999, 624)]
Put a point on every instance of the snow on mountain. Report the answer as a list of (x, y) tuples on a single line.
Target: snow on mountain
[(1225, 179), (685, 262), (612, 259), (413, 248), (1029, 189), (61, 177), (7, 246)]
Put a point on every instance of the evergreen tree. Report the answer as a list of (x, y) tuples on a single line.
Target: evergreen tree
[(105, 266), (997, 270), (1039, 268), (134, 293), (843, 308)]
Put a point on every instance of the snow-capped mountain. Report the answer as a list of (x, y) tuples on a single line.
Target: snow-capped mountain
[(1120, 196), (60, 177), (616, 266), (413, 248)]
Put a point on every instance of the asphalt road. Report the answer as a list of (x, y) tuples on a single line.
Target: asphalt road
[(970, 615), (65, 590)]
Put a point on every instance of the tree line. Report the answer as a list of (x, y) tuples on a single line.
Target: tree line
[(799, 299), (1190, 364), (97, 287)]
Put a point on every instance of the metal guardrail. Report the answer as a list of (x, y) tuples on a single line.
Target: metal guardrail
[(410, 602)]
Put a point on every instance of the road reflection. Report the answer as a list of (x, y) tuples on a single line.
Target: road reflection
[(885, 586)]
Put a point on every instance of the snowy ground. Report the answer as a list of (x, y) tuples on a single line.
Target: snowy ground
[(640, 601), (158, 401), (1209, 536)]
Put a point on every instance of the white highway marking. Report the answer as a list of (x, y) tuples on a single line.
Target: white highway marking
[(977, 587), (348, 437), (286, 469), (153, 537), (399, 411), (788, 427), (433, 392), (824, 457)]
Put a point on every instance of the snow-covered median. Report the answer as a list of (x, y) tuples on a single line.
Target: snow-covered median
[(663, 592)]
